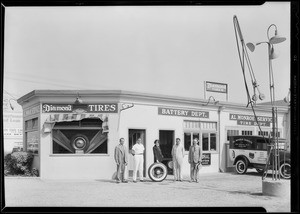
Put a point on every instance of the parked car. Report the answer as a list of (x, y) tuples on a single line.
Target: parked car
[(252, 152), (169, 164)]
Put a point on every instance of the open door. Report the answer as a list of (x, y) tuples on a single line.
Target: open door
[(134, 134), (166, 138)]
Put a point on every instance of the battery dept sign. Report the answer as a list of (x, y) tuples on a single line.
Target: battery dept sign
[(183, 112), (80, 108)]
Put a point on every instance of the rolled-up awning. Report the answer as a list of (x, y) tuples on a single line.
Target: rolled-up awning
[(63, 117)]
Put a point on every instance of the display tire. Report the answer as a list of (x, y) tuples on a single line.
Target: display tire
[(157, 172), (284, 167), (85, 140), (241, 166)]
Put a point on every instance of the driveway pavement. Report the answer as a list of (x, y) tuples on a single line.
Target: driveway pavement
[(214, 190)]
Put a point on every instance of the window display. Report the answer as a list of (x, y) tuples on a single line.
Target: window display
[(79, 137)]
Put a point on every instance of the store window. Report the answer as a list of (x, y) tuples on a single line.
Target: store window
[(209, 142), (263, 133), (32, 135), (277, 135), (246, 132), (232, 133), (205, 141), (205, 132), (79, 137), (188, 139), (213, 142)]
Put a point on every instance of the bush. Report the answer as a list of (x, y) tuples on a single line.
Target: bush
[(18, 163)]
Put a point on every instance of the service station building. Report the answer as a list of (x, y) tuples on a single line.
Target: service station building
[(73, 133)]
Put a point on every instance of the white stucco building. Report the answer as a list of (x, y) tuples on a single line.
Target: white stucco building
[(76, 140)]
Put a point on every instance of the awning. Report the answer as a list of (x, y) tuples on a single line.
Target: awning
[(63, 117)]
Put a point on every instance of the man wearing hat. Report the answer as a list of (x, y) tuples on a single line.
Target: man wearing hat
[(121, 159), (195, 157)]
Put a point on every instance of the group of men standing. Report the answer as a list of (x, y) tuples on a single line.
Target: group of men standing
[(194, 158), (178, 153)]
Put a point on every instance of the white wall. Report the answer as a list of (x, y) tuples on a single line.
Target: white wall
[(102, 166), (146, 117)]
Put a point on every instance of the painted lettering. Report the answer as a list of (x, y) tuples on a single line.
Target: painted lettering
[(113, 107), (182, 112)]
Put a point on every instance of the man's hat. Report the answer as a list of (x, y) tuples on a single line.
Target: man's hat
[(199, 166)]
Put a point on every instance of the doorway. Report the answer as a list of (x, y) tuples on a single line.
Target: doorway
[(166, 138), (135, 134)]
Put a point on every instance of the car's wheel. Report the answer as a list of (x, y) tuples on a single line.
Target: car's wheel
[(241, 166), (170, 164), (285, 170), (157, 172), (260, 171)]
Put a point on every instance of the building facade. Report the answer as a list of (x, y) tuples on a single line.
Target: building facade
[(73, 133)]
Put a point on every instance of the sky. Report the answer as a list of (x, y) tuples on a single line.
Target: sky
[(169, 50)]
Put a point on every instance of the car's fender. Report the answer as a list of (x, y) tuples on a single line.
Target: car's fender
[(241, 157)]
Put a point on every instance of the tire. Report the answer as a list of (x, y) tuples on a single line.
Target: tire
[(82, 139), (285, 170), (241, 166), (157, 172), (170, 164)]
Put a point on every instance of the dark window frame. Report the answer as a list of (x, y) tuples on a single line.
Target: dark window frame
[(84, 126), (31, 126)]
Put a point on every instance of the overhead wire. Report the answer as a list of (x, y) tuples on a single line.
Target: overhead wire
[(9, 94), (48, 83)]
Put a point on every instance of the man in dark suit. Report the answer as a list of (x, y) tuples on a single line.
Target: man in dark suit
[(158, 156), (121, 159), (195, 157)]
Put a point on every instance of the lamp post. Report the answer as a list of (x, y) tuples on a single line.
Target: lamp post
[(272, 55), (211, 98)]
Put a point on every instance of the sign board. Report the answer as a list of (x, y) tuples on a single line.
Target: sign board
[(182, 112), (31, 111), (216, 87), (12, 125), (206, 159), (249, 120), (12, 132), (80, 108)]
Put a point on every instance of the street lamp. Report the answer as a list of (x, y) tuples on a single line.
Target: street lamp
[(78, 100), (209, 99), (272, 55)]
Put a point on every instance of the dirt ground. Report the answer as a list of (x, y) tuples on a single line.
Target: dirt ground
[(213, 190)]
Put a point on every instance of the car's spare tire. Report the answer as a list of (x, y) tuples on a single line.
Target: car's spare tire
[(285, 170), (157, 172)]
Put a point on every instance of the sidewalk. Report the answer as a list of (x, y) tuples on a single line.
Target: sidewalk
[(214, 190)]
